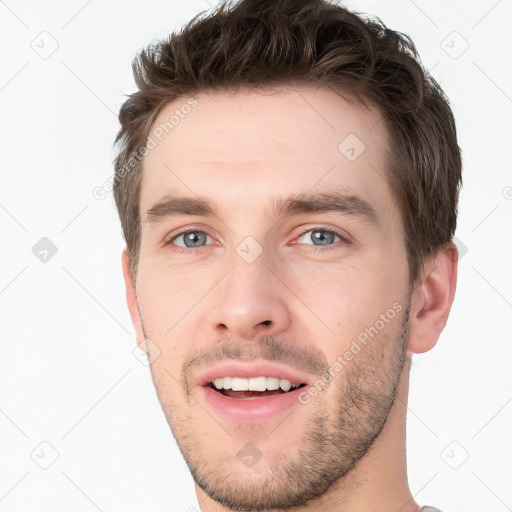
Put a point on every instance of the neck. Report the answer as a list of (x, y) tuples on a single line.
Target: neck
[(379, 481)]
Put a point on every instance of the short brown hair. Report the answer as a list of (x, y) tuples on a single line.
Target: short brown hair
[(255, 43)]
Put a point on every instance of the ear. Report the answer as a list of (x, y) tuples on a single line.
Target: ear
[(432, 300), (131, 299)]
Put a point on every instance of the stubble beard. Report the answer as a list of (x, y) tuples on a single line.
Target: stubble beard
[(335, 438)]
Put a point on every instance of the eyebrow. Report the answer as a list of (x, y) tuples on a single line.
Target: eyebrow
[(340, 202)]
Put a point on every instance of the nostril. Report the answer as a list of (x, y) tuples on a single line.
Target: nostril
[(266, 322)]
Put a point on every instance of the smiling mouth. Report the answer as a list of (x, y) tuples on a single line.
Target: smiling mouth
[(248, 398), (252, 395), (250, 389)]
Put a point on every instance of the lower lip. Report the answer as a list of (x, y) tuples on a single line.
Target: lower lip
[(257, 409)]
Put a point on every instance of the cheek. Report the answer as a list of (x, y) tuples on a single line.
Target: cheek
[(165, 298), (171, 300), (347, 298)]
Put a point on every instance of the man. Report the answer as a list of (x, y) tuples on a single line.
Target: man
[(287, 184)]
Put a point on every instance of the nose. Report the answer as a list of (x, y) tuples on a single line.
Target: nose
[(250, 301)]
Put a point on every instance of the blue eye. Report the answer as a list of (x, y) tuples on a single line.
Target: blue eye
[(191, 239), (322, 236)]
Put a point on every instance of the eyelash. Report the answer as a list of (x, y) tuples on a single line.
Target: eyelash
[(319, 248), (183, 250)]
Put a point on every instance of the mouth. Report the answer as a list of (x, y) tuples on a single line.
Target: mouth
[(253, 388), (241, 392)]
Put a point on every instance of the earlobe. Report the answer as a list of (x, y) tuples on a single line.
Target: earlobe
[(432, 300), (131, 299)]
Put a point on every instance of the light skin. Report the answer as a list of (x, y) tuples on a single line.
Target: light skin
[(345, 449)]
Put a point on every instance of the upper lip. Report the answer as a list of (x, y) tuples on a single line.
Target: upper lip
[(248, 370)]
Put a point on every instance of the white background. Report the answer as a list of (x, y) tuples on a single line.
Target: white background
[(68, 374)]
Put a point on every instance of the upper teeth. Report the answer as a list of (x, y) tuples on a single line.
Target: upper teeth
[(253, 384)]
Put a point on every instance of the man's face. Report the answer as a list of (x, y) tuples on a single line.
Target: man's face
[(297, 289)]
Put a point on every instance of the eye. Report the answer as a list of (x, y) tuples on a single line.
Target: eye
[(190, 239), (320, 237)]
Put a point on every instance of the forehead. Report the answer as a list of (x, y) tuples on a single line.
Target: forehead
[(273, 141)]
